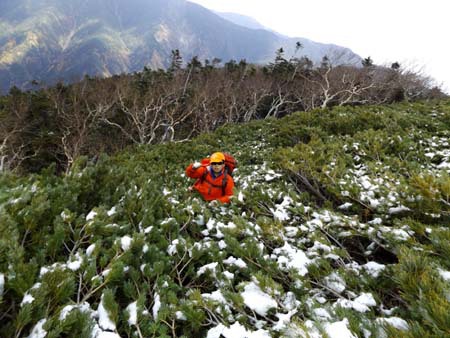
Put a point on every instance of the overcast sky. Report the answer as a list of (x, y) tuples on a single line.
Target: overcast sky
[(412, 32)]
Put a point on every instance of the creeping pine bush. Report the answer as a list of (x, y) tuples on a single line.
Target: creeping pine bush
[(339, 223)]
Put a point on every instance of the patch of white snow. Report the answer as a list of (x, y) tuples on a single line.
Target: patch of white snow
[(132, 313), (398, 210), (27, 299), (208, 267), (90, 250), (91, 215), (339, 329), (125, 242), (291, 257), (237, 262), (111, 211), (76, 264), (373, 268), (104, 321), (396, 322), (2, 283), (335, 282), (237, 330), (38, 330), (257, 300), (444, 274), (156, 306)]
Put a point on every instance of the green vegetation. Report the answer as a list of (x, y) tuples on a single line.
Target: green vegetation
[(340, 220)]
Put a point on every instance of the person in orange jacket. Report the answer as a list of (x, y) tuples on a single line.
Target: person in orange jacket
[(213, 181)]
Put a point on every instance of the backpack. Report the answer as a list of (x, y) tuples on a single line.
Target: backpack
[(230, 165)]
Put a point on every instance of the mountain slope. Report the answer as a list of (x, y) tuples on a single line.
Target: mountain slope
[(50, 40), (339, 227)]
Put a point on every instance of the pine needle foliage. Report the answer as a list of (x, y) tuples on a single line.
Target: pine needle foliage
[(340, 218)]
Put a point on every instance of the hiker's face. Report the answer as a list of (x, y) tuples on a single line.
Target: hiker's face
[(217, 167)]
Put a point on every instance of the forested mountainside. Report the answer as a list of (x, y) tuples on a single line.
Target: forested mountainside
[(338, 228), (46, 41), (56, 125)]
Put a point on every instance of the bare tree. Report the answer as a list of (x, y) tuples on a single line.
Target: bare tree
[(77, 117), (149, 117), (338, 85), (14, 145), (414, 83)]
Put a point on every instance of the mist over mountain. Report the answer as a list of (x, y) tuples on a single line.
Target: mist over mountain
[(50, 40), (242, 20)]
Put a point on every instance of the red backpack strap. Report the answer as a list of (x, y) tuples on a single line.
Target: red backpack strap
[(225, 180), (203, 178)]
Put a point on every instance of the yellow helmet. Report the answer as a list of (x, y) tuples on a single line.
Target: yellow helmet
[(217, 157)]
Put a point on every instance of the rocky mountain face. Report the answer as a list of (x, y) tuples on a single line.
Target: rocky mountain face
[(51, 40)]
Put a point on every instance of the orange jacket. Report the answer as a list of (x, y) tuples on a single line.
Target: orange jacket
[(211, 188)]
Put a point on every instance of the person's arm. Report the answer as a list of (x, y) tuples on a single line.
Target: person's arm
[(195, 170)]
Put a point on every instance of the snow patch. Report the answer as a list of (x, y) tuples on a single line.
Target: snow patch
[(360, 304), (27, 299), (240, 196), (216, 296), (283, 320), (291, 257), (237, 262), (376, 221), (38, 330), (145, 248), (172, 248), (398, 210), (111, 211), (271, 175), (125, 243), (90, 250), (257, 300), (208, 267), (345, 206), (335, 282), (132, 313), (444, 274), (396, 322), (237, 330), (373, 268), (339, 329), (291, 231), (2, 284), (64, 216), (106, 334), (280, 212), (401, 234), (180, 315), (76, 264), (85, 307), (322, 313), (91, 215), (156, 306), (104, 321)]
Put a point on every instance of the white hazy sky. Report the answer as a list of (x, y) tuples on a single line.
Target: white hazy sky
[(412, 32)]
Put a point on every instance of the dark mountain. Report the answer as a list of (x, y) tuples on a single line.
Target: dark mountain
[(52, 40)]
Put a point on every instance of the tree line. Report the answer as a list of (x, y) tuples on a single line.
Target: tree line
[(55, 125)]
